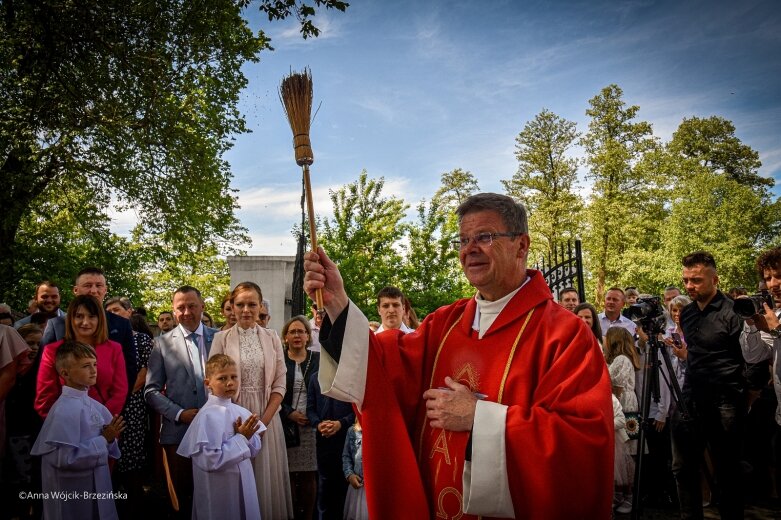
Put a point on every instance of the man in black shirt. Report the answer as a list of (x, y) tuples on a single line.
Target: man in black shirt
[(712, 391)]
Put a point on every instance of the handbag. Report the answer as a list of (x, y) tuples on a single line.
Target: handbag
[(633, 425), (290, 428), (292, 433)]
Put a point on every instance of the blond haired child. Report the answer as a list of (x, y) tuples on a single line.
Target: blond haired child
[(76, 440), (221, 440)]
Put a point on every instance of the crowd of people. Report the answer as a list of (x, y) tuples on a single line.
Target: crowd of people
[(713, 424), (164, 395), (496, 406)]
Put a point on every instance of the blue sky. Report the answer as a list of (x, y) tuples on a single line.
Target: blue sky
[(412, 89)]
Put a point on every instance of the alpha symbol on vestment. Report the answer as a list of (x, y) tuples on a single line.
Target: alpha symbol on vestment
[(468, 376), (440, 445)]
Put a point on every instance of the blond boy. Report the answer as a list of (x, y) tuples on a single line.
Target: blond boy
[(77, 438), (221, 440)]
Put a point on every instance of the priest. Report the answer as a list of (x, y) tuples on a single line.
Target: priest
[(497, 406)]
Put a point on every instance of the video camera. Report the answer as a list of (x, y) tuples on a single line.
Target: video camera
[(751, 305), (649, 314)]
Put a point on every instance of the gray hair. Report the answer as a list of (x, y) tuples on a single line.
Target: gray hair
[(123, 302), (513, 213), (679, 301)]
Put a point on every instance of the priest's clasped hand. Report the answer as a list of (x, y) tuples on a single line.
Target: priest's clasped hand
[(452, 408)]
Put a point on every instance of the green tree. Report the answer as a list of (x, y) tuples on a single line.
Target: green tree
[(710, 143), (718, 201), (432, 276), (66, 232), (731, 220), (132, 98), (202, 268), (363, 238), (544, 181), (455, 187), (615, 144)]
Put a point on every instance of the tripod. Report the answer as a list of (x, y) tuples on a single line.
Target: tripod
[(651, 388)]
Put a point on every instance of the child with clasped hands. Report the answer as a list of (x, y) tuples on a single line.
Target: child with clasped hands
[(77, 438), (221, 440)]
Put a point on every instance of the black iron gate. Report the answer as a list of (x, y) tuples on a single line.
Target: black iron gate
[(564, 269)]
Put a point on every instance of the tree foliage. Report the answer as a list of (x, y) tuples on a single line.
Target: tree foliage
[(281, 9), (431, 275), (545, 180), (134, 103), (363, 238), (615, 143), (710, 143)]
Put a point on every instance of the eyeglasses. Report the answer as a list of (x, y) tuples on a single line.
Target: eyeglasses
[(481, 239), (297, 332)]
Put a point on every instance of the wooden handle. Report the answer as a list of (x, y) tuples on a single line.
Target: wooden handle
[(171, 490), (310, 208)]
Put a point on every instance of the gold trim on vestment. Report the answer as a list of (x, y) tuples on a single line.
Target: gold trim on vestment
[(512, 353), (440, 512)]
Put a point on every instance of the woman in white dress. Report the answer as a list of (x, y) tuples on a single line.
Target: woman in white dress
[(258, 354)]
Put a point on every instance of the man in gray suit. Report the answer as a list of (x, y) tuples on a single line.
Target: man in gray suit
[(176, 367)]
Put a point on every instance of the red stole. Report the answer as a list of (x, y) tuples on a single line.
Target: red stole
[(482, 366)]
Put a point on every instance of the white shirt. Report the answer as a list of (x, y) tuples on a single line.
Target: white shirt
[(622, 322)]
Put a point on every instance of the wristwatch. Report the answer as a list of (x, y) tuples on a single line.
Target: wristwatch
[(776, 333)]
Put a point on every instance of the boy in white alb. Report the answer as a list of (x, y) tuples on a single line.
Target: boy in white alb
[(76, 440), (221, 440)]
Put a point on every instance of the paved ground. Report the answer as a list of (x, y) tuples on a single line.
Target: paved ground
[(753, 512)]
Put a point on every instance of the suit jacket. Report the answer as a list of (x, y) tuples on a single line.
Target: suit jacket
[(119, 330), (171, 370)]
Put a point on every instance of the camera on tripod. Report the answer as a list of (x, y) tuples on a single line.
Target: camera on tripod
[(752, 305), (649, 314)]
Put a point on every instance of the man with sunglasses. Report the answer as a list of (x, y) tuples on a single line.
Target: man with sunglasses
[(497, 405)]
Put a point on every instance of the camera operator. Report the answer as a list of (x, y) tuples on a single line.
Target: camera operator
[(713, 391), (761, 338)]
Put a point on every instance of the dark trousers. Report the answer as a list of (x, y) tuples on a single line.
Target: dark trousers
[(331, 487), (717, 421), (182, 477), (658, 482)]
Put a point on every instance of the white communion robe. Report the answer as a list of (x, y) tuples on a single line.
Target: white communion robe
[(223, 479), (74, 464)]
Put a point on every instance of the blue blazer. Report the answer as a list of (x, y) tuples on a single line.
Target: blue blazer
[(170, 370)]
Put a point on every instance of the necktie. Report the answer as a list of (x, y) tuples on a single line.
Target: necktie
[(195, 355)]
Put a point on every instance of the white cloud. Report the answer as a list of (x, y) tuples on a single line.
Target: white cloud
[(289, 36)]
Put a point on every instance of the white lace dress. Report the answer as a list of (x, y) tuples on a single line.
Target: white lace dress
[(622, 375), (271, 473)]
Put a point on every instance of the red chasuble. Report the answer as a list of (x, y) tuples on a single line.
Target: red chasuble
[(538, 359)]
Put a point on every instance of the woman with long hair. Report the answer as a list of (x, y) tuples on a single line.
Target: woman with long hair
[(260, 361), (302, 365), (588, 313), (85, 323)]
